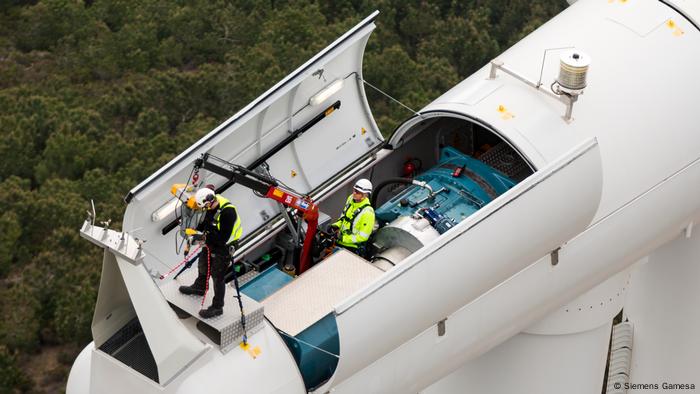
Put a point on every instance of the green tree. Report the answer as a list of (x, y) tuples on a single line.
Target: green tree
[(11, 376), (11, 232)]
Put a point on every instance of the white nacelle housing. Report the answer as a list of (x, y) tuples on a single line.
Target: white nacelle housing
[(564, 202)]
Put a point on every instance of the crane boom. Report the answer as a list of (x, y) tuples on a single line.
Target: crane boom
[(268, 188)]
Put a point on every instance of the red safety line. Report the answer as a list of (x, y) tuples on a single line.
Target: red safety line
[(181, 263)]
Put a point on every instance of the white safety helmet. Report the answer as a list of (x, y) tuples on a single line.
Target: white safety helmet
[(204, 196), (363, 186)]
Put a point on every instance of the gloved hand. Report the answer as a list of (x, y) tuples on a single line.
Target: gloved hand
[(326, 239), (195, 236), (335, 234)]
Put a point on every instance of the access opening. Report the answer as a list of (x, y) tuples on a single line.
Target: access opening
[(433, 173), (129, 345), (442, 169)]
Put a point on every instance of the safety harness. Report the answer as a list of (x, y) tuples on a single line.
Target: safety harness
[(356, 214)]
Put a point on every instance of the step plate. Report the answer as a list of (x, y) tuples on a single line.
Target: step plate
[(315, 293), (227, 325)]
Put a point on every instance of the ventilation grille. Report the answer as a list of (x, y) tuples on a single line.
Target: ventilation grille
[(503, 158), (129, 346)]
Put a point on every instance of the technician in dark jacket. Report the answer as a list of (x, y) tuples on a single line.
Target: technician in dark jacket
[(221, 226)]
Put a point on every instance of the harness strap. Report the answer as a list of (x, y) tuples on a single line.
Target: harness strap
[(355, 213)]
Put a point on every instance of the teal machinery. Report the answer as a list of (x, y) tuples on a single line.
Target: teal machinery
[(428, 205)]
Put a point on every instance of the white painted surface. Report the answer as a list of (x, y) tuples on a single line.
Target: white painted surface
[(273, 371), (235, 371), (79, 376), (538, 364), (463, 264), (663, 306), (606, 248), (641, 91), (593, 309)]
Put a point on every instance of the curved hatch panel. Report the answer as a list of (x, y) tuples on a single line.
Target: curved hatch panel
[(286, 106), (344, 135), (531, 220)]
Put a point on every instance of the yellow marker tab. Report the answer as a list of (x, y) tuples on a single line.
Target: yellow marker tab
[(363, 131), (254, 352), (505, 114), (190, 231), (277, 193), (677, 31), (294, 173)]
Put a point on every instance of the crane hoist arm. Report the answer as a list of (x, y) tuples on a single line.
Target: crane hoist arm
[(268, 188)]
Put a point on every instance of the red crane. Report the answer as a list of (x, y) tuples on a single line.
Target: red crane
[(268, 188)]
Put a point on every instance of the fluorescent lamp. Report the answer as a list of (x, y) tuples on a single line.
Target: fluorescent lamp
[(166, 210), (327, 92)]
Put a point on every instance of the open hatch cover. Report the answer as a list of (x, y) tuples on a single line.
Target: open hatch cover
[(342, 137)]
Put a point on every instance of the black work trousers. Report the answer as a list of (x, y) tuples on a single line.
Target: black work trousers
[(219, 263)]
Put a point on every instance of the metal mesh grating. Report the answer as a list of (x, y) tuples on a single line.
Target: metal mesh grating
[(137, 354), (505, 160), (130, 330), (129, 346)]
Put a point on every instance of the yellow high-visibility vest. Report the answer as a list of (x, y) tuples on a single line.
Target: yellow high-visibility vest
[(237, 230), (356, 224)]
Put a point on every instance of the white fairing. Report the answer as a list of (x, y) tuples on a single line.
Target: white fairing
[(541, 269), (461, 265), (633, 105), (79, 377), (663, 307), (642, 80), (566, 351), (527, 363)]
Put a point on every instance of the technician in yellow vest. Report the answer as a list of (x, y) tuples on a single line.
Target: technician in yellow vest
[(357, 222), (221, 226)]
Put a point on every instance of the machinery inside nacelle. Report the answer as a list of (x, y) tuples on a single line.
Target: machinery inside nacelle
[(442, 171)]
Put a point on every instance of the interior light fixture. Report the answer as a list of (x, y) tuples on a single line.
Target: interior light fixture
[(165, 210), (326, 92)]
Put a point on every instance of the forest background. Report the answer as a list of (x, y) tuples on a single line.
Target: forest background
[(96, 95)]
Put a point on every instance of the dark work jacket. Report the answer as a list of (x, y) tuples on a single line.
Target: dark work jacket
[(217, 238)]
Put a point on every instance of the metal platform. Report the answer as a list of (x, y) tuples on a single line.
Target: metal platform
[(226, 330), (313, 295)]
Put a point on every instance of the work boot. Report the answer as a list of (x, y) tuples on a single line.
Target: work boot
[(192, 290), (210, 312)]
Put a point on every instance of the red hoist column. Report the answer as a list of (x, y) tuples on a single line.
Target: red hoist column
[(310, 215)]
